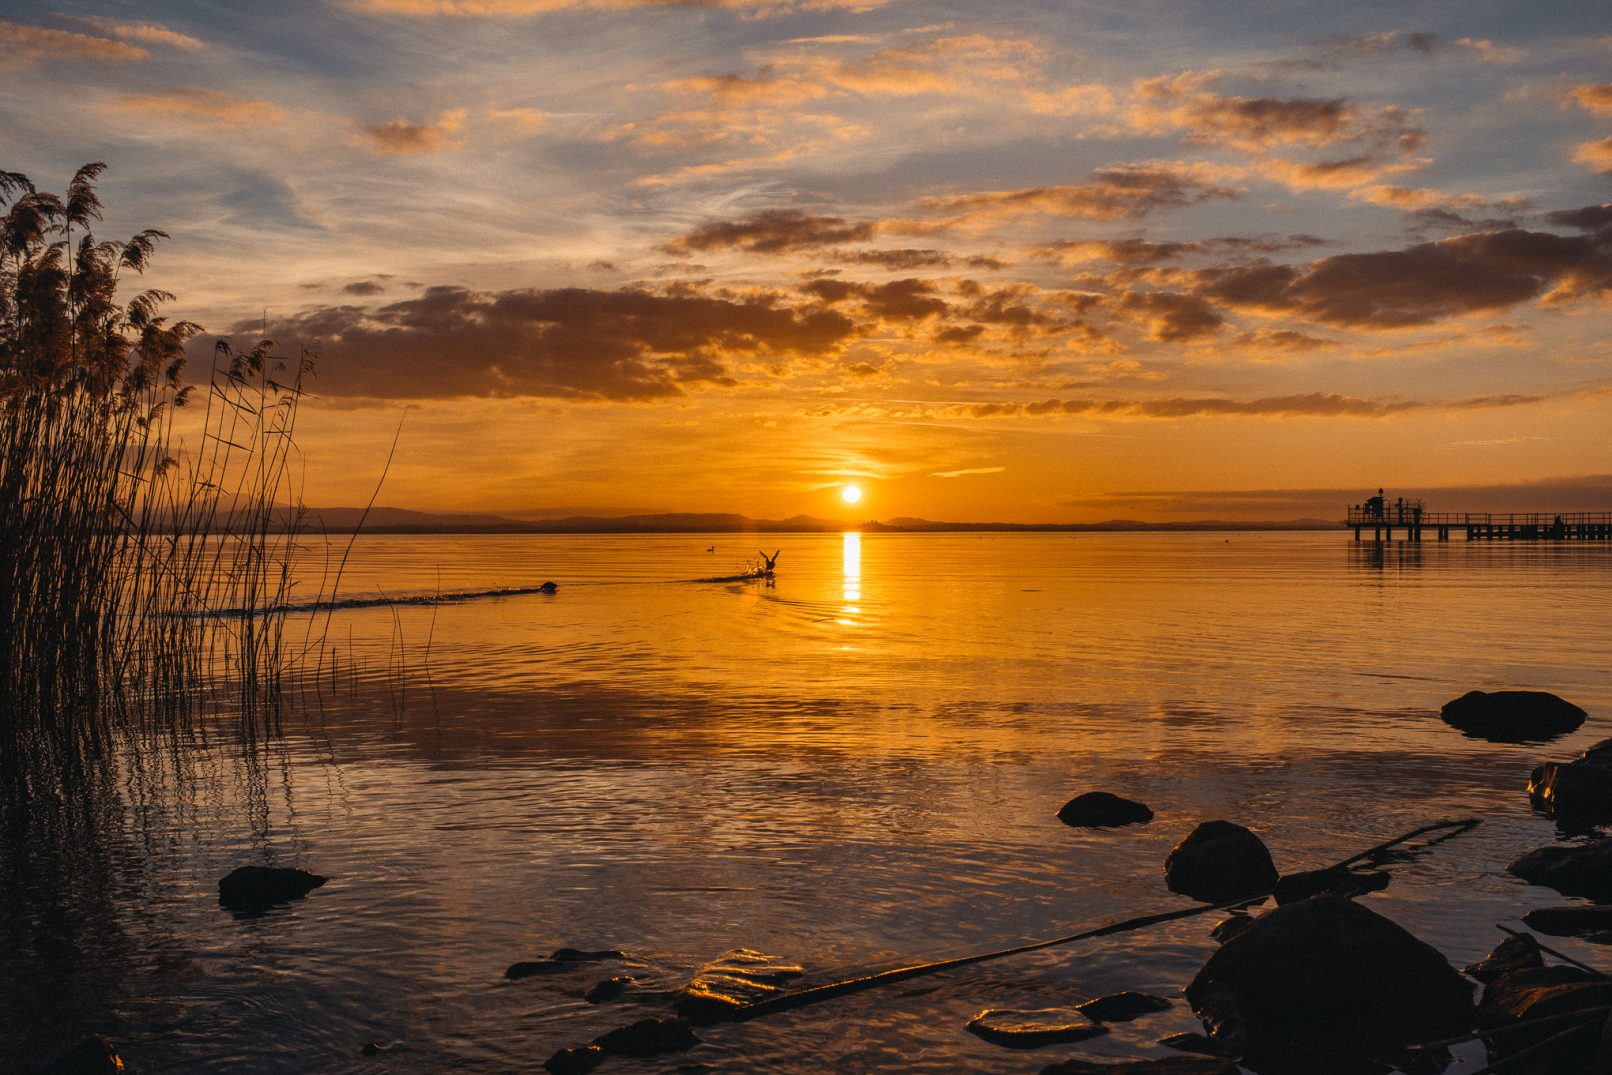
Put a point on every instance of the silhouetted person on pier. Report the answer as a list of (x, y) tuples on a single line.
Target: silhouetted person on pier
[(1558, 529), (1374, 505)]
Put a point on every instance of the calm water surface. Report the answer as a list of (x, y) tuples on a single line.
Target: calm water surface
[(856, 766)]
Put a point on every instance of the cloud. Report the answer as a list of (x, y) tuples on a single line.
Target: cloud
[(1184, 102), (1597, 155), (1172, 317), (148, 33), (1589, 218), (907, 259), (1125, 191), (1304, 405), (1595, 96), (400, 137), (24, 46), (523, 8), (1133, 252), (211, 107), (629, 344), (967, 472), (772, 232), (1422, 283), (1441, 207), (1341, 47), (899, 300)]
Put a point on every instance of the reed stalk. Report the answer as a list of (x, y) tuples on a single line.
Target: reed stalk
[(141, 577)]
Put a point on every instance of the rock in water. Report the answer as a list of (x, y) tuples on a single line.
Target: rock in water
[(1324, 983), (1583, 870), (1197, 1043), (574, 1060), (1032, 1029), (252, 890), (607, 990), (1512, 954), (1512, 716), (1172, 1065), (731, 981), (648, 1037), (1219, 862), (1578, 788), (1230, 926), (1569, 921), (1100, 809), (1121, 1007)]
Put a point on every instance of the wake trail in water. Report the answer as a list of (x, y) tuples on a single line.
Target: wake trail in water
[(392, 600)]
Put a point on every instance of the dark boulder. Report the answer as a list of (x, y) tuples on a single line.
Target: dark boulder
[(1032, 1029), (252, 890), (607, 990), (1170, 1065), (1577, 870), (1328, 985), (648, 1037), (1512, 716), (549, 587), (1121, 1007), (1335, 880), (1578, 788), (1570, 921), (372, 1048), (1100, 809), (1520, 952), (730, 982), (1220, 862)]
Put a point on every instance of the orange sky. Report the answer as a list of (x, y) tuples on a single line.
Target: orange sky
[(1142, 261)]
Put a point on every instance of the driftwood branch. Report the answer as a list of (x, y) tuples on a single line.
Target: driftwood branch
[(791, 1001), (1563, 956)]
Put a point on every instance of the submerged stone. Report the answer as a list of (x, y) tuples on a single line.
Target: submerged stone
[(586, 955), (1121, 1007), (728, 983), (1578, 788), (1580, 870), (607, 990), (1335, 880), (1200, 1044), (93, 1055), (648, 1037), (1541, 993), (574, 1060), (1512, 716), (1032, 1029), (1101, 809), (1325, 983), (1569, 921), (1169, 1065), (252, 890), (530, 968), (1219, 862)]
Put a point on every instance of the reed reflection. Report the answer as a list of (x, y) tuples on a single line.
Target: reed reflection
[(851, 582)]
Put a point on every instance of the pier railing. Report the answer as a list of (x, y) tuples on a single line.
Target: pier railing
[(1481, 525)]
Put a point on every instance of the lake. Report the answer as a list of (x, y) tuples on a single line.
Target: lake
[(855, 766)]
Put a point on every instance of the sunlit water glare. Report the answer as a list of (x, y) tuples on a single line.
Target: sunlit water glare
[(857, 764)]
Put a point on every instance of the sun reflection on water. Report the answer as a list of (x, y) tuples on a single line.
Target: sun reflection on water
[(851, 584)]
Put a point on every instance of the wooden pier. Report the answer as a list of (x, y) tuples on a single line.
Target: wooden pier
[(1408, 517)]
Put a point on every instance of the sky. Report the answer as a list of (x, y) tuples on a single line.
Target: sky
[(1035, 262)]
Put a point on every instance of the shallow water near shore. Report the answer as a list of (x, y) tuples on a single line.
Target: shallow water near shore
[(856, 766)]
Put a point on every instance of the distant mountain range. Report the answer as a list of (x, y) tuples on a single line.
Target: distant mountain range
[(404, 521)]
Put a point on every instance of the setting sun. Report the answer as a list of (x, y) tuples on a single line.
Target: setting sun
[(851, 494)]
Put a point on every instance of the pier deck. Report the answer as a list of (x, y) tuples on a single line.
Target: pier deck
[(1409, 518)]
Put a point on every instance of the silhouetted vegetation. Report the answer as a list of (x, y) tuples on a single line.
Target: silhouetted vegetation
[(144, 547)]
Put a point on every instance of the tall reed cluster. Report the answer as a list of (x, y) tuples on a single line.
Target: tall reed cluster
[(140, 575)]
